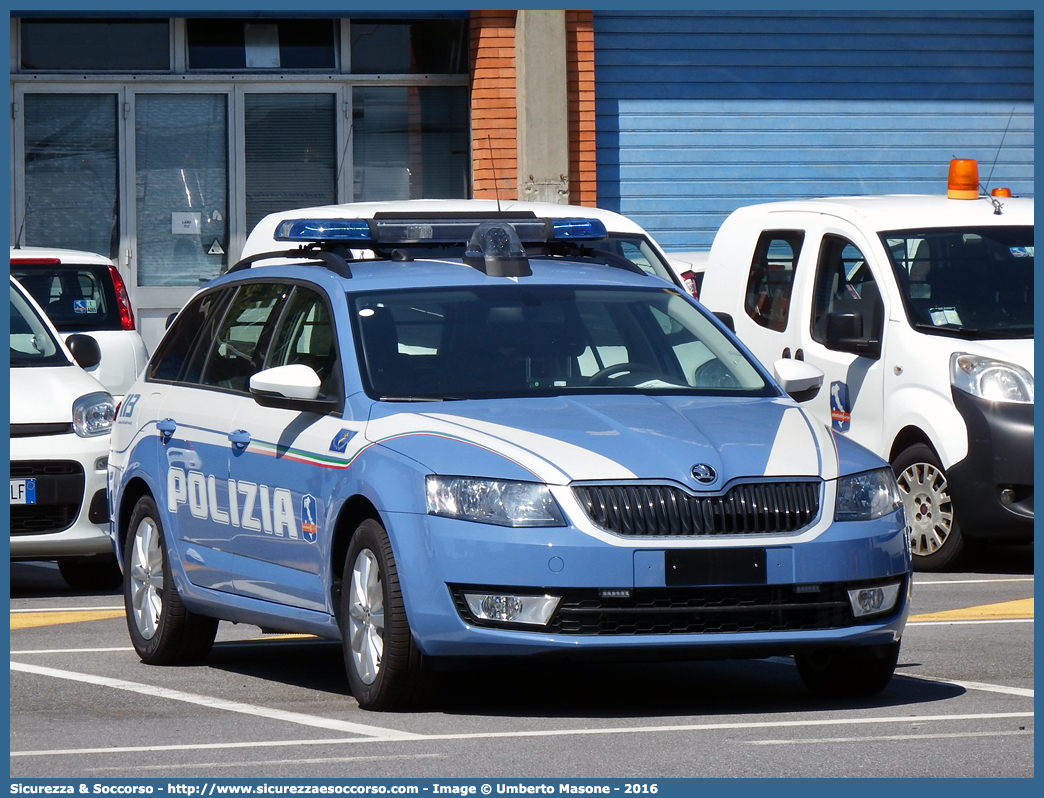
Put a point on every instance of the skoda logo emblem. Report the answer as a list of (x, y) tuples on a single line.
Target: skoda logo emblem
[(703, 473)]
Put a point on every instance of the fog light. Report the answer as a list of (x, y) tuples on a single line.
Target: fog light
[(101, 464), (511, 609), (1007, 497), (873, 600)]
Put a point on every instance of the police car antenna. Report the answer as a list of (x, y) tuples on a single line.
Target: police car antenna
[(493, 165)]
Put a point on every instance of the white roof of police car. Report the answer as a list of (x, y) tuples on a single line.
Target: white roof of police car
[(70, 256), (261, 238), (903, 211)]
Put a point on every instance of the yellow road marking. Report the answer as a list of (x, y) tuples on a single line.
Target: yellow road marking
[(30, 620), (1008, 610)]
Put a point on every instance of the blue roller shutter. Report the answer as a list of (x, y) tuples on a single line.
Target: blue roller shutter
[(699, 113)]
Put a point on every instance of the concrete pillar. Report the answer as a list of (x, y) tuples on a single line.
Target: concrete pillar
[(543, 111)]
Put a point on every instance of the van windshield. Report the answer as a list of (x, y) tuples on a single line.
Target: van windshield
[(974, 282), (526, 340)]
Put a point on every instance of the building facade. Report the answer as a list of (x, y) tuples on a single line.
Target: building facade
[(160, 141)]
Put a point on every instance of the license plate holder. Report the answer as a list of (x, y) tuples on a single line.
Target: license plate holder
[(703, 567), (23, 491)]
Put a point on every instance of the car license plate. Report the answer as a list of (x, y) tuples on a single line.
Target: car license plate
[(714, 567), (23, 491)]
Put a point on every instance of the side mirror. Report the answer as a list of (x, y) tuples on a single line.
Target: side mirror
[(844, 333), (293, 387), (170, 320), (85, 350), (799, 379), (726, 319)]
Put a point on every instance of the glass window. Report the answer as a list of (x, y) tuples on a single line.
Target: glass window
[(958, 279), (305, 335), (125, 45), (194, 323), (290, 153), (71, 172), (772, 277), (73, 297), (543, 340), (237, 350), (287, 44), (845, 286), (411, 142), (182, 187), (31, 342), (430, 46)]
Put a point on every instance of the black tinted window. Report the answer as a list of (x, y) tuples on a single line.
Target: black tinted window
[(193, 323), (73, 297)]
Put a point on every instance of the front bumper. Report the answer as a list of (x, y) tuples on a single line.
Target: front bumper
[(1000, 457), (615, 600), (70, 518)]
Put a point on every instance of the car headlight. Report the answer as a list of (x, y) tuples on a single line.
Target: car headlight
[(93, 415), (991, 379), (492, 501), (866, 496)]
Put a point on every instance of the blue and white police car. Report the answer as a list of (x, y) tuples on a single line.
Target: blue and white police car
[(440, 437)]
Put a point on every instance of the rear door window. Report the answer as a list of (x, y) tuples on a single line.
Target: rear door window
[(73, 297)]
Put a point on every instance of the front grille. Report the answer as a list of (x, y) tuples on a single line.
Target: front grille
[(59, 496), (40, 430), (666, 510), (688, 611)]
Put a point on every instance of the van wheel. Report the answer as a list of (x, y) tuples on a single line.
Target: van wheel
[(162, 630), (848, 671), (97, 574), (385, 668), (935, 537)]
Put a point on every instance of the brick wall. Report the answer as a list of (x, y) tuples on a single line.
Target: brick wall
[(494, 130), (581, 97)]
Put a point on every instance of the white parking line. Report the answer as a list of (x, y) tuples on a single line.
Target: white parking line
[(695, 727), (240, 763), (890, 737), (217, 703), (989, 688), (919, 583)]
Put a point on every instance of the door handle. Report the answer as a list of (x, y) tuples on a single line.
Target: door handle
[(166, 428), (240, 438)]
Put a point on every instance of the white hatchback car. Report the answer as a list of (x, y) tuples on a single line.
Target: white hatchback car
[(82, 292), (61, 418)]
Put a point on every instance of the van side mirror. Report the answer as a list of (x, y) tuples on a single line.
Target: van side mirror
[(726, 319), (844, 333), (85, 350)]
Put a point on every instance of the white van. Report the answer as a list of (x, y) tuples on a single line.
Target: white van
[(919, 310)]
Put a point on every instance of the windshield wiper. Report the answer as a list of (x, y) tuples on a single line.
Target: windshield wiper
[(1025, 331)]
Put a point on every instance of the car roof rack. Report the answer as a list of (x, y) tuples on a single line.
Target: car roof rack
[(331, 260)]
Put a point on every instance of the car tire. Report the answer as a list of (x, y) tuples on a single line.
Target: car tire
[(162, 630), (935, 536), (848, 671), (386, 670), (98, 574)]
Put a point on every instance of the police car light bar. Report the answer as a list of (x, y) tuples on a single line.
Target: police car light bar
[(324, 230), (432, 230)]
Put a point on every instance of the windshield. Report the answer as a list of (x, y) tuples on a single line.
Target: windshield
[(31, 342), (967, 282), (525, 340), (74, 297)]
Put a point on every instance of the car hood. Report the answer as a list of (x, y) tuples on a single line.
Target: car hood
[(559, 440), (45, 394)]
